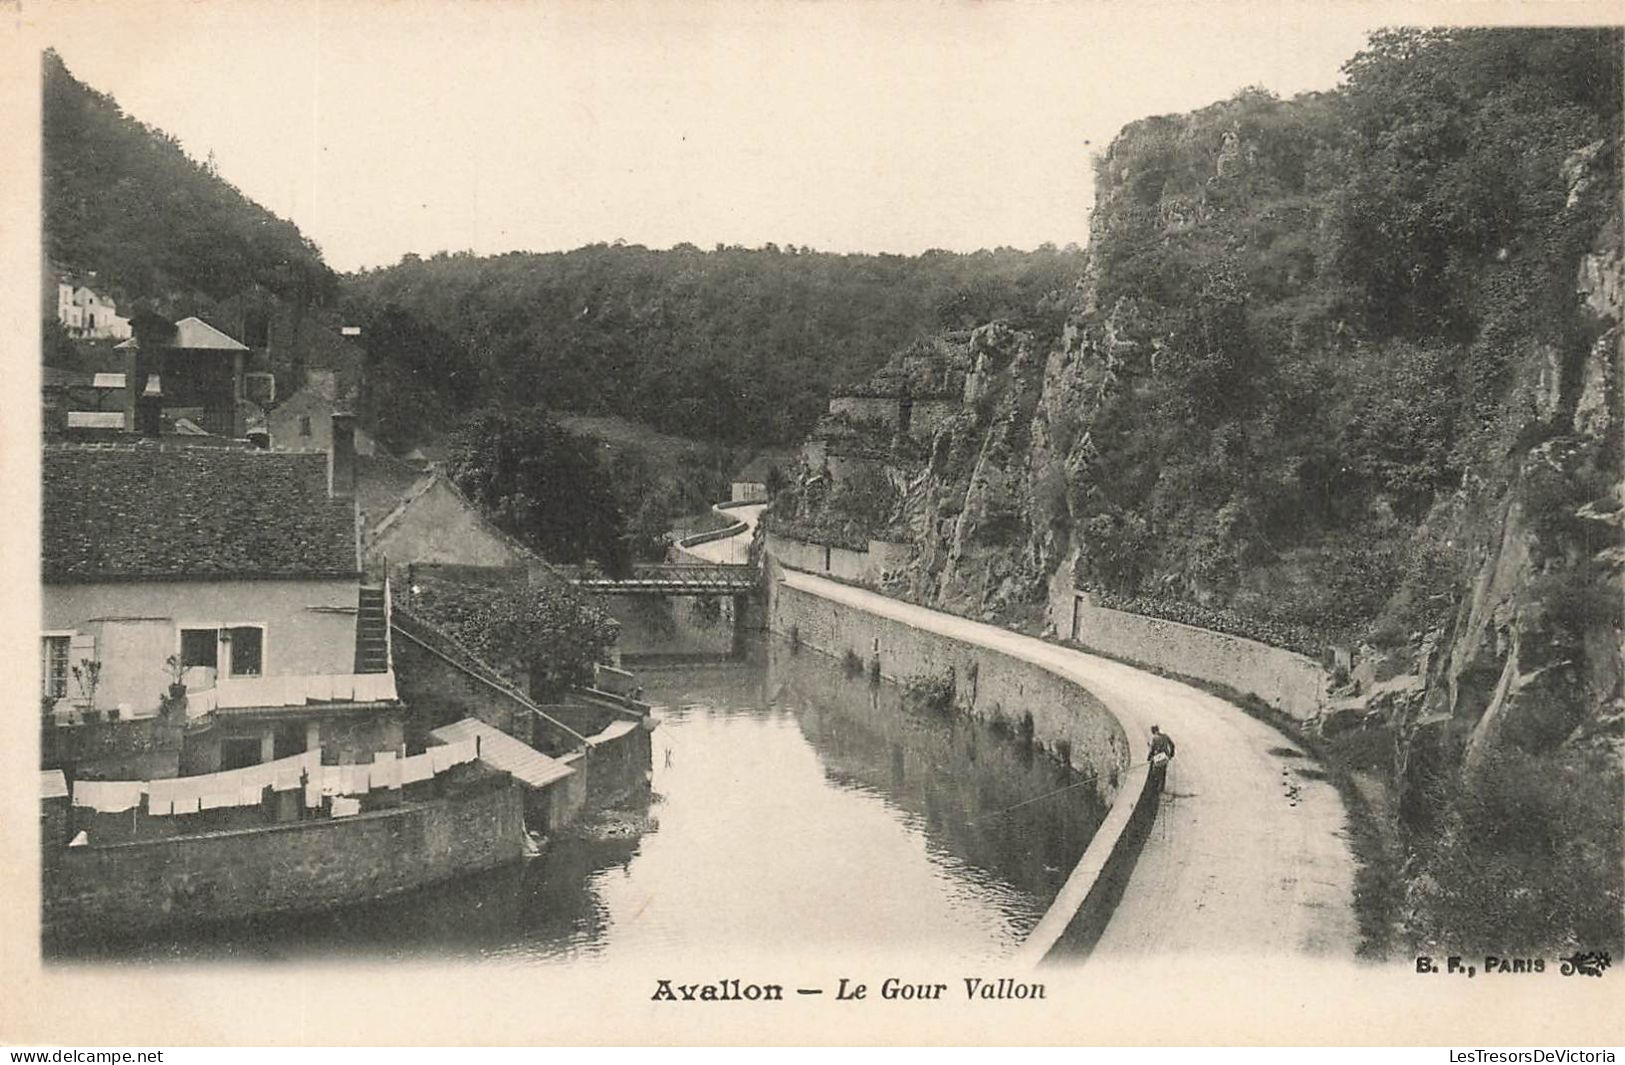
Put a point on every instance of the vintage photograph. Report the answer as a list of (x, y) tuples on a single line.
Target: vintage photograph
[(568, 489)]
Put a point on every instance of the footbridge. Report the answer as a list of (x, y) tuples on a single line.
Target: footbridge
[(667, 579)]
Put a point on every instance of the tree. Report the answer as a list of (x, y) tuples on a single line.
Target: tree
[(548, 635), (541, 483)]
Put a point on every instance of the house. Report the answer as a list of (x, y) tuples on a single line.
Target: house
[(87, 314), (98, 317), (186, 369), (750, 485), (233, 572), (431, 523), (301, 422)]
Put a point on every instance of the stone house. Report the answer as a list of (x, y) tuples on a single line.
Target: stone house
[(749, 485), (237, 571), (416, 518), (303, 421)]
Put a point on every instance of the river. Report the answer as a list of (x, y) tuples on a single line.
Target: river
[(793, 805)]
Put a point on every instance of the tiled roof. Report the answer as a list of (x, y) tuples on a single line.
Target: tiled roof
[(381, 483), (149, 512)]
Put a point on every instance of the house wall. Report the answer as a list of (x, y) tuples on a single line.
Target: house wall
[(749, 492), (438, 527), (131, 627), (283, 423)]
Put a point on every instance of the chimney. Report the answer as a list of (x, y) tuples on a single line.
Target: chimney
[(134, 381), (341, 457)]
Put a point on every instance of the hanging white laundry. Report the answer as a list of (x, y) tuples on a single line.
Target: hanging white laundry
[(346, 807), (313, 795), (219, 799), (286, 779), (332, 779), (160, 798), (250, 795), (109, 796), (418, 767), (386, 770)]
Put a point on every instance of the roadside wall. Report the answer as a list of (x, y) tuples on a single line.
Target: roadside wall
[(305, 865), (1284, 679), (842, 563)]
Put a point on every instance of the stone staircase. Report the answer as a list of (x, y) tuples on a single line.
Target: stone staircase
[(371, 632)]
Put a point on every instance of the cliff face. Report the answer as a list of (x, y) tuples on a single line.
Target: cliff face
[(1341, 374)]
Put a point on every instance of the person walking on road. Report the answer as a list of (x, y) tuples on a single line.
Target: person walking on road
[(1160, 754)]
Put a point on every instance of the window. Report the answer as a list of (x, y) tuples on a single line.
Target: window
[(247, 650), (200, 647), (237, 651), (55, 675), (304, 425)]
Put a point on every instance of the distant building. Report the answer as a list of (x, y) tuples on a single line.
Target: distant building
[(87, 314), (301, 422), (186, 369), (750, 485), (415, 518), (243, 565)]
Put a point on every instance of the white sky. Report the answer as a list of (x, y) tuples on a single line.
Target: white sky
[(387, 128)]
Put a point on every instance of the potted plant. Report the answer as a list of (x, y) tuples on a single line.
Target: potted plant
[(86, 676), (176, 668)]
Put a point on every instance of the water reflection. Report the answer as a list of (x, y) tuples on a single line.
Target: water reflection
[(792, 808)]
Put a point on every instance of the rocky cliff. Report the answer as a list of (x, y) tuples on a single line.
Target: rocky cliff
[(1342, 374)]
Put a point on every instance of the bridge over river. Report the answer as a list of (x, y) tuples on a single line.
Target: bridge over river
[(667, 579)]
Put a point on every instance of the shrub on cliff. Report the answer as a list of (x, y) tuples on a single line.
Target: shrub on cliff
[(1528, 858)]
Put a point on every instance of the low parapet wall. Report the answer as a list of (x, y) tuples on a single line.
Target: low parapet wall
[(1064, 717), (308, 865), (1284, 679)]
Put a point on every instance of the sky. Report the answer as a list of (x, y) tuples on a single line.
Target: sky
[(388, 128)]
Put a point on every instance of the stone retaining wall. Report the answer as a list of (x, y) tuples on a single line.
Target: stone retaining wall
[(1064, 717), (1284, 679)]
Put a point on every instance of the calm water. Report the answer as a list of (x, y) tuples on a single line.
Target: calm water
[(791, 807)]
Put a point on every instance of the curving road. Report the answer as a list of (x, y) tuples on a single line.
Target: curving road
[(1249, 852), (734, 548)]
